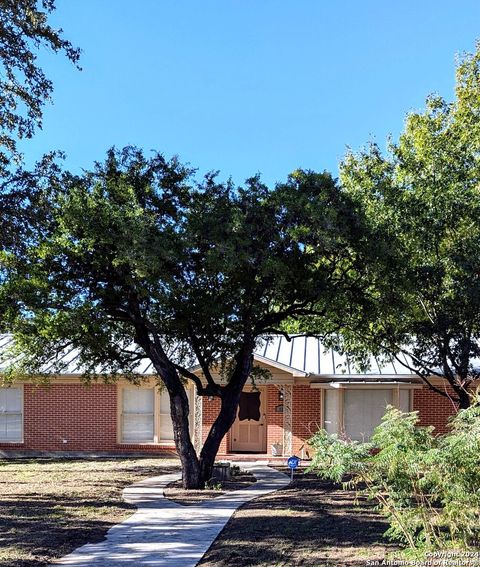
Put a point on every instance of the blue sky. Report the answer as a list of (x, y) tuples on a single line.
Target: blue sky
[(247, 86)]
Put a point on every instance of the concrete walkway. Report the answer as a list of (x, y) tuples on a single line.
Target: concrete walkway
[(162, 533)]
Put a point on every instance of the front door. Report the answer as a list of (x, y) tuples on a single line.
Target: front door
[(249, 430)]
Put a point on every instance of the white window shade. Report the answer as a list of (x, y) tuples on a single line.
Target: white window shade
[(166, 426), (404, 400), (138, 415), (138, 400), (11, 414), (363, 411), (331, 411), (164, 402)]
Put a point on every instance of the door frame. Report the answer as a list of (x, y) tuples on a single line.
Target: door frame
[(263, 417)]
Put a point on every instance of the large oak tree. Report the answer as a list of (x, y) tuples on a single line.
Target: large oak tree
[(136, 259)]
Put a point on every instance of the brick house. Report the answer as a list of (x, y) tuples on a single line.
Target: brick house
[(309, 388)]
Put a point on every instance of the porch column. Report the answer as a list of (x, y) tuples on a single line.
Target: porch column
[(287, 420), (197, 423)]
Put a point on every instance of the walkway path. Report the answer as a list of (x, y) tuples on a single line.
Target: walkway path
[(162, 532)]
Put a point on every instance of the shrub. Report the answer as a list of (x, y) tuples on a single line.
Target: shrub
[(427, 487)]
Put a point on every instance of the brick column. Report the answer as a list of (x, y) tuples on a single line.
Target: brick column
[(287, 419), (197, 423)]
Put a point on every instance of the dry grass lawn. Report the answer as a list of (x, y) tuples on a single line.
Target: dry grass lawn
[(311, 523), (49, 507)]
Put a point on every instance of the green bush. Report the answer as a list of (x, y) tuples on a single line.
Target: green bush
[(427, 487)]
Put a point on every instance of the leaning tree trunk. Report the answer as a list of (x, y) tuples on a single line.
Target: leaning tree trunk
[(227, 414), (196, 472), (225, 419), (179, 411), (464, 400)]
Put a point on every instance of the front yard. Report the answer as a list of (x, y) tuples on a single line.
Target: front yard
[(49, 507), (310, 523)]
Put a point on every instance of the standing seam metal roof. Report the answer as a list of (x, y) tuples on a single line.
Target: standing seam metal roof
[(305, 354)]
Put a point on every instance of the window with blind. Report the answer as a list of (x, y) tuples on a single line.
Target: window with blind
[(138, 415), (166, 426), (145, 416), (357, 412), (11, 415), (363, 411)]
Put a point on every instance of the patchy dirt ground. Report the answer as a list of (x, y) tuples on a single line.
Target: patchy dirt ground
[(49, 507), (311, 523), (175, 492)]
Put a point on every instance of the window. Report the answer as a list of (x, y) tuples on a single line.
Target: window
[(11, 415), (332, 413), (138, 415), (145, 415), (404, 400), (166, 426), (356, 412), (363, 411)]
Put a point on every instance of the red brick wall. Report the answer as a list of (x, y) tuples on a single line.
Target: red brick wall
[(306, 415), (86, 417), (210, 409), (274, 419), (433, 409)]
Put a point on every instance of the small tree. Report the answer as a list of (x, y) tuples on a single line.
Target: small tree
[(422, 205), (24, 28), (24, 87), (136, 260), (426, 486)]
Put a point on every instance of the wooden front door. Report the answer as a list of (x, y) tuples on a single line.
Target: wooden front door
[(249, 431)]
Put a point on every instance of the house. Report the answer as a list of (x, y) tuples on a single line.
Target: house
[(309, 387)]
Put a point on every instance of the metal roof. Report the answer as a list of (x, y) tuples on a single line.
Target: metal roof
[(309, 355), (300, 355)]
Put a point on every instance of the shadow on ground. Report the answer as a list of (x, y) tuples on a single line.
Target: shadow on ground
[(50, 507), (309, 523), (40, 528)]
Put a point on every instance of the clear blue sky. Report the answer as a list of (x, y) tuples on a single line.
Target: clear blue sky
[(248, 86)]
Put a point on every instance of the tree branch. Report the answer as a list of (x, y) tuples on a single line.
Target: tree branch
[(201, 391), (201, 360), (423, 376)]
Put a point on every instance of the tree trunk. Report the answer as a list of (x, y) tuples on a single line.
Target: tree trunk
[(196, 472), (464, 401), (228, 411), (179, 410), (222, 424)]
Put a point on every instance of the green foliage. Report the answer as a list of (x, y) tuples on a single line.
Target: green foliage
[(24, 209), (421, 203), (204, 267), (24, 28), (334, 458), (138, 259), (458, 476), (212, 485), (426, 486), (235, 470)]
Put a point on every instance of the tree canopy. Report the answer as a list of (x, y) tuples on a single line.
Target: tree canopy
[(422, 204), (24, 87), (137, 259)]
